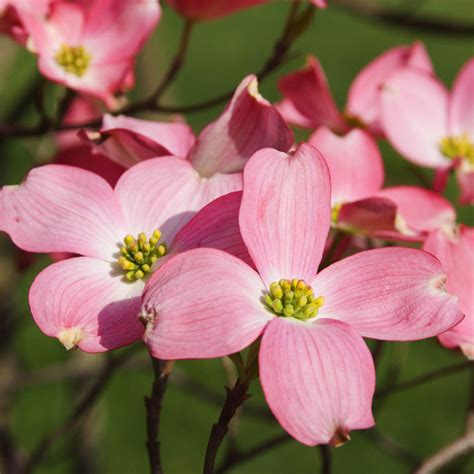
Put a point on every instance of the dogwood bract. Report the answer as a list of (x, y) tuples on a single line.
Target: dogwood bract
[(431, 127), (122, 234), (455, 250), (217, 156), (316, 371), (91, 46), (308, 101)]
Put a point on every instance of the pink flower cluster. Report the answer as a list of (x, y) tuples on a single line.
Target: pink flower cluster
[(214, 241)]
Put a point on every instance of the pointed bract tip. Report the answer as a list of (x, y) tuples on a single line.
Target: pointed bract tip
[(71, 337), (252, 89), (468, 350), (438, 283), (340, 437)]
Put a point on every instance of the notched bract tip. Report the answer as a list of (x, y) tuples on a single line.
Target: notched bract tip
[(71, 337)]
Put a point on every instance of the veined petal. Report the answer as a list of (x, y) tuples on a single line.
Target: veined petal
[(62, 208), (128, 141), (363, 100), (422, 210), (88, 304), (117, 29), (215, 226), (461, 110), (318, 379), (159, 193), (201, 304), (354, 163), (248, 124), (414, 108), (392, 293), (455, 250), (308, 91), (285, 212)]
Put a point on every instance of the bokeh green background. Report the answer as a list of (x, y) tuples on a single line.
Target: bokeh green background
[(222, 52)]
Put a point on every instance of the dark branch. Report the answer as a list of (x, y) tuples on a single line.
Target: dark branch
[(153, 404), (235, 398), (374, 10), (435, 374), (81, 409)]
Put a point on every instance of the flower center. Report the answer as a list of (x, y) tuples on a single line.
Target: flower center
[(457, 147), (73, 59), (139, 255), (336, 209), (292, 298)]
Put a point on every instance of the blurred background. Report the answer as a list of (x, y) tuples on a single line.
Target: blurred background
[(39, 380)]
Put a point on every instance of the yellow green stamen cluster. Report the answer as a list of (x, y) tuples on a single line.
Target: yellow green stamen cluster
[(73, 59), (293, 298), (457, 147), (336, 209), (139, 255)]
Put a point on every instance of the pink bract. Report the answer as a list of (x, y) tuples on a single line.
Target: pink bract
[(455, 250), (90, 303), (317, 373), (308, 100), (91, 46), (217, 156), (430, 126)]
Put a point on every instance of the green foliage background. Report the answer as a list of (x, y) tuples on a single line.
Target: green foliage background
[(421, 419)]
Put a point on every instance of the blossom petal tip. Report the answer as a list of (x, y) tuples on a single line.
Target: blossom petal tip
[(340, 437), (468, 351), (70, 338)]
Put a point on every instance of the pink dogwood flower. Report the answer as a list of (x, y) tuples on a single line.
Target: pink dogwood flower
[(361, 206), (308, 101), (431, 127), (121, 235), (455, 250), (316, 371), (91, 46), (217, 156)]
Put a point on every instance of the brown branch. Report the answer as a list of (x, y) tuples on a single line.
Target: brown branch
[(326, 459), (391, 447), (81, 409), (235, 398), (435, 374), (374, 10), (153, 404), (447, 454), (241, 457)]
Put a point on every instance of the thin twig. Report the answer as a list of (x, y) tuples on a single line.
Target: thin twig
[(241, 457), (435, 374), (391, 447), (236, 396), (326, 459), (81, 409), (153, 404), (447, 454), (469, 426), (375, 10)]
